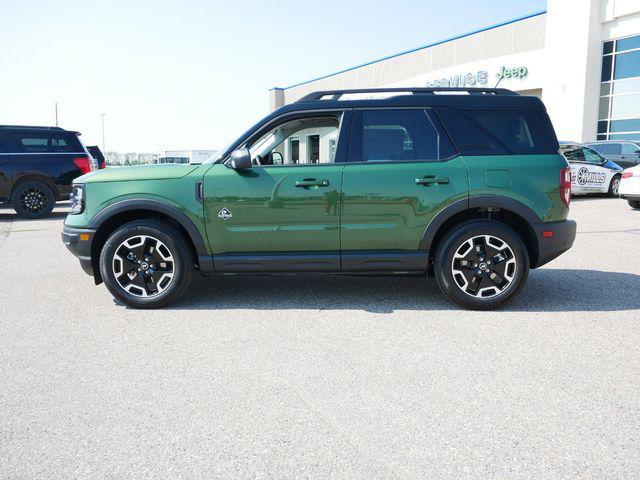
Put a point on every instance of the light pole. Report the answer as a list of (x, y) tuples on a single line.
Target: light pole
[(104, 150), (56, 114)]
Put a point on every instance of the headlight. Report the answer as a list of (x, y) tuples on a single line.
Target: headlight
[(77, 199)]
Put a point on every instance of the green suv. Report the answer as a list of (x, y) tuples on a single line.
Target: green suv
[(466, 185)]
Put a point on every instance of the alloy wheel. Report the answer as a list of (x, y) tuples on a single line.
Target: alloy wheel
[(143, 266), (33, 200), (483, 266), (615, 185)]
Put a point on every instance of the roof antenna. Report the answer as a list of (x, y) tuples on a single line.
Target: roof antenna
[(498, 82)]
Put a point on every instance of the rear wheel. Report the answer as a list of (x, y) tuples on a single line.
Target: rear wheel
[(481, 264), (634, 204), (33, 200), (146, 264), (614, 186)]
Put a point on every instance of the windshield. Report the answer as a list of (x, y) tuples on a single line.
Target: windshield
[(219, 154)]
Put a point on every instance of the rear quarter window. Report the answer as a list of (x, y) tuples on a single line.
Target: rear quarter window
[(495, 132), (46, 142)]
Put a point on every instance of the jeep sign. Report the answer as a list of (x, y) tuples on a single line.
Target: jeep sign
[(517, 72)]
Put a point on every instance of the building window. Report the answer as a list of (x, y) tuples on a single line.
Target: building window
[(619, 110), (294, 148), (313, 148)]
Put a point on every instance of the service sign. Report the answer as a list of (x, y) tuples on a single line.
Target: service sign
[(480, 78)]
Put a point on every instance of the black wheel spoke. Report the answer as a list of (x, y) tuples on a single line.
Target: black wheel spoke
[(480, 248), (498, 280)]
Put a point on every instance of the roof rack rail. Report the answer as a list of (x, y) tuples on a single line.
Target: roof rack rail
[(336, 94), (31, 127)]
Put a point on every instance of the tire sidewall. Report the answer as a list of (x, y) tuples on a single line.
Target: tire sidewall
[(611, 190), (173, 241), (15, 200), (465, 231)]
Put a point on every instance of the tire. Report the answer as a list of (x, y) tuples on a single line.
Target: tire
[(614, 185), (490, 286), (635, 204), (33, 200), (155, 254)]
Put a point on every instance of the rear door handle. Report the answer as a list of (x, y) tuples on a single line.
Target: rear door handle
[(431, 180), (311, 182)]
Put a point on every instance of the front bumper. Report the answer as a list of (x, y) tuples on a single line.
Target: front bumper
[(78, 241), (554, 245)]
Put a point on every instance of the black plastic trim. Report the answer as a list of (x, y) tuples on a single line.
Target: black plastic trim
[(155, 206), (438, 220), (478, 201), (277, 262), (506, 203), (564, 234), (379, 261), (80, 248)]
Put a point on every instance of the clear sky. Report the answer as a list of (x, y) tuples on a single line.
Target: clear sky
[(195, 73)]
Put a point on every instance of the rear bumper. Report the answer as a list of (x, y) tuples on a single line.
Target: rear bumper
[(550, 247), (78, 241)]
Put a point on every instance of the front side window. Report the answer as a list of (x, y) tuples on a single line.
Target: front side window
[(591, 156), (301, 141), (494, 132), (401, 135), (629, 148)]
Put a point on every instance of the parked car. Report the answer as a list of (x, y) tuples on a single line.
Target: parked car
[(624, 153), (469, 188), (96, 153), (590, 171), (630, 186), (38, 165)]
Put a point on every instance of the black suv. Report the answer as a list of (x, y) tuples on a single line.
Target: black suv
[(37, 166), (625, 153)]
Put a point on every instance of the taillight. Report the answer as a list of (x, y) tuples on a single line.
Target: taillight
[(83, 163), (627, 174), (103, 165), (565, 185)]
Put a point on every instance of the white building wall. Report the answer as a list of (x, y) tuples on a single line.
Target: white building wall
[(573, 56), (561, 49)]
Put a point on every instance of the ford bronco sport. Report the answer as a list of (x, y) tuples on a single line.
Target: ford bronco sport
[(463, 184)]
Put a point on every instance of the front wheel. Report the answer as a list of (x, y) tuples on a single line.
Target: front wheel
[(146, 264), (635, 204), (481, 264), (614, 186)]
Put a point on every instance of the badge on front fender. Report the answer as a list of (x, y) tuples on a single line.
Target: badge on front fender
[(224, 214)]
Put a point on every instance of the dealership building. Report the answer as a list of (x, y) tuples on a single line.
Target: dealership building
[(582, 57)]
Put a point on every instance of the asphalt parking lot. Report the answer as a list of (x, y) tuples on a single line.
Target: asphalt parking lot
[(324, 377)]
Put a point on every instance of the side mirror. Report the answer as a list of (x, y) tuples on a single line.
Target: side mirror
[(241, 159), (276, 158)]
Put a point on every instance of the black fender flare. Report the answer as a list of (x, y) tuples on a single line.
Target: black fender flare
[(130, 204), (505, 203)]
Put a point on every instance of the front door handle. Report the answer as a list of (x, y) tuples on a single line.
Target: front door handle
[(311, 182), (431, 180)]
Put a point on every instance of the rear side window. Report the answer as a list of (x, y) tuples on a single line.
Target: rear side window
[(46, 142), (573, 153), (609, 148), (398, 135), (495, 132), (628, 148)]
